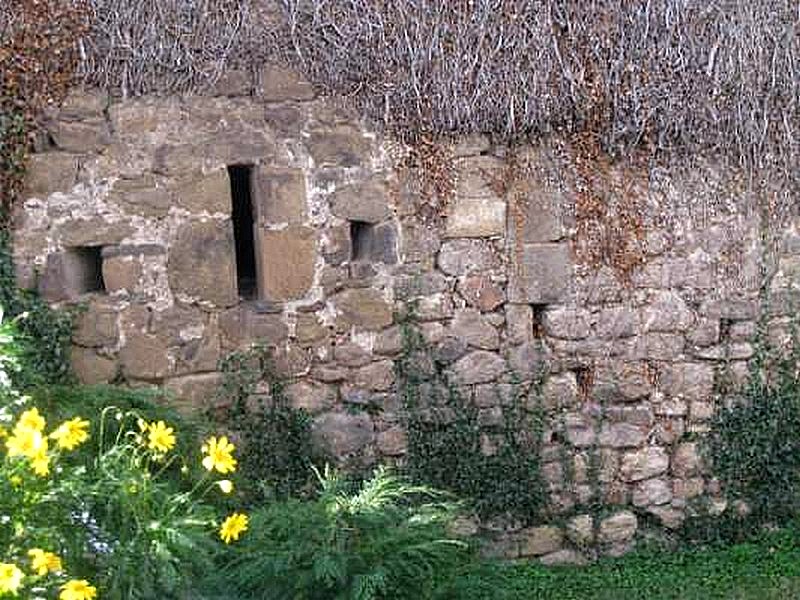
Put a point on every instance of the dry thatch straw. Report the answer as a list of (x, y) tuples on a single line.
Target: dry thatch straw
[(716, 77)]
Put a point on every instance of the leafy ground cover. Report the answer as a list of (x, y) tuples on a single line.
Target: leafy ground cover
[(765, 568)]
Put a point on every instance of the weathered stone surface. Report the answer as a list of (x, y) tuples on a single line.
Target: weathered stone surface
[(83, 104), (206, 192), (147, 197), (389, 342), (567, 323), (341, 146), (393, 441), (449, 350), (285, 260), (643, 464), (687, 381), (408, 287), (542, 275), (90, 135), (580, 430), (202, 264), (280, 195), (462, 257), (476, 217), (480, 292), (519, 323), (617, 322), (342, 434), (366, 201), (622, 435), (671, 518), (580, 530), (49, 173), (686, 460), (96, 326), (704, 333), (620, 527), (364, 308), (476, 177), (701, 411), (336, 244), (659, 346), (376, 376), (279, 84), (652, 492), (565, 556), (193, 393), (312, 397), (478, 367), (292, 361), (144, 357), (121, 273), (350, 354), (537, 541), (732, 351), (95, 231), (172, 160), (419, 243), (528, 361), (91, 368), (686, 489), (470, 326), (667, 313), (560, 391), (241, 326), (233, 82), (540, 209), (309, 329)]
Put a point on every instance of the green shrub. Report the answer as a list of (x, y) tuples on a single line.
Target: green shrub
[(93, 496), (445, 440), (382, 539), (277, 449), (754, 447), (43, 334)]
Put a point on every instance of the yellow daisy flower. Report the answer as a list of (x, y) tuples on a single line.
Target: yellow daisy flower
[(232, 527), (160, 438), (26, 442), (77, 589), (71, 434), (40, 462), (31, 419), (219, 455), (44, 562), (10, 578)]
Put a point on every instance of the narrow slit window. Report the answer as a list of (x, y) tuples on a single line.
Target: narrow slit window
[(360, 240), (85, 268), (538, 320), (241, 177)]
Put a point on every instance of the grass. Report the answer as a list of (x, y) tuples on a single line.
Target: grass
[(764, 569)]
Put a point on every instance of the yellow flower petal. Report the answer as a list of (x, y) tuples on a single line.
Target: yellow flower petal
[(71, 434), (31, 419), (77, 589), (219, 455), (226, 485), (10, 578), (160, 438), (233, 527), (44, 562)]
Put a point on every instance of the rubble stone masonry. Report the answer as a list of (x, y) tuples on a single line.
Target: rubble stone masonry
[(129, 210)]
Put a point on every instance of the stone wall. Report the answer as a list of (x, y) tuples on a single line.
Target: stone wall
[(630, 290)]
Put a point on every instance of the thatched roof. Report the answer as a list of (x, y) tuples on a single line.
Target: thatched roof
[(713, 76)]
